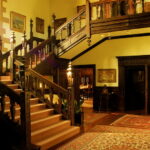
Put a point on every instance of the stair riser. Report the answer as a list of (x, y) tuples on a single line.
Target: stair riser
[(41, 115), (37, 108), (4, 78), (7, 82), (32, 102), (45, 123), (60, 139), (13, 86), (50, 132)]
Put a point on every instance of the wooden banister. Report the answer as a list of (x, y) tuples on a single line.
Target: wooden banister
[(40, 87)]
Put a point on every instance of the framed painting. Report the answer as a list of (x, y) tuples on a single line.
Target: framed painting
[(17, 22), (107, 75), (39, 25)]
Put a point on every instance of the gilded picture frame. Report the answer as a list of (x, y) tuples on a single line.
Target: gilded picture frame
[(107, 75), (17, 22)]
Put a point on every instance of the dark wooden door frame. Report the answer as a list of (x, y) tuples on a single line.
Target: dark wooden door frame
[(92, 66), (124, 61)]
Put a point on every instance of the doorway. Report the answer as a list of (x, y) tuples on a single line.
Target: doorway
[(135, 89), (134, 84), (84, 83)]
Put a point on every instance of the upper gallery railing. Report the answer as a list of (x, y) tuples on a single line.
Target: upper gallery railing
[(113, 8)]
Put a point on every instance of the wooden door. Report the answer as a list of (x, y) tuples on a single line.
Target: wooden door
[(135, 89)]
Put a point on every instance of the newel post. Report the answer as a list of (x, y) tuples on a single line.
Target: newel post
[(88, 18), (31, 28), (12, 42), (24, 43), (1, 56), (71, 93)]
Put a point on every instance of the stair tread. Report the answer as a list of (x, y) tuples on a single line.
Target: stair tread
[(36, 98), (39, 104), (12, 84), (46, 118), (61, 134), (38, 112), (50, 127)]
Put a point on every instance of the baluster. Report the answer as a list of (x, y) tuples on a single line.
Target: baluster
[(12, 109), (69, 30), (6, 65), (44, 53), (35, 59), (60, 103), (97, 12), (73, 27), (2, 101), (79, 18), (61, 34), (1, 62), (30, 59), (49, 32), (51, 97)]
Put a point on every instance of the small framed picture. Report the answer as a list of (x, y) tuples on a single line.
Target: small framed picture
[(17, 22), (39, 25)]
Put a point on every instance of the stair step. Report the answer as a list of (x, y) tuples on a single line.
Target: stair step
[(13, 86), (37, 107), (18, 91), (5, 78), (34, 100), (49, 131), (6, 81), (56, 139), (44, 122), (41, 114)]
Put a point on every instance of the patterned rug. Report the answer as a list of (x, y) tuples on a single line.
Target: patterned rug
[(103, 137), (133, 121)]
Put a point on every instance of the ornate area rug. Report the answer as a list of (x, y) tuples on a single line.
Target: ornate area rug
[(103, 137), (133, 121)]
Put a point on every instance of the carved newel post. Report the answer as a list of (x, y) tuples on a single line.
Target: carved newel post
[(0, 55), (24, 43), (71, 92), (12, 42)]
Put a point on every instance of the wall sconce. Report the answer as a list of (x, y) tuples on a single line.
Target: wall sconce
[(69, 75), (40, 85)]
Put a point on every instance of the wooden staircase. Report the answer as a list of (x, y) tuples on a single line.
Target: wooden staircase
[(47, 129)]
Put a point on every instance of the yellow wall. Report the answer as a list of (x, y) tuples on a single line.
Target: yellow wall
[(104, 55), (63, 8), (30, 9)]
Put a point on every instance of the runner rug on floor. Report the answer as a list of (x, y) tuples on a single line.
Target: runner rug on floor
[(133, 121)]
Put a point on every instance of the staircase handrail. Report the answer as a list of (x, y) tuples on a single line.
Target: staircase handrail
[(70, 20), (47, 81)]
